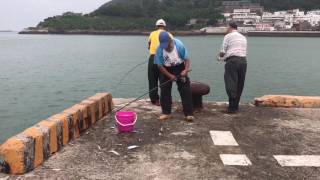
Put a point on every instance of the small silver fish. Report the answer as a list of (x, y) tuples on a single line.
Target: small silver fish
[(114, 152), (132, 147)]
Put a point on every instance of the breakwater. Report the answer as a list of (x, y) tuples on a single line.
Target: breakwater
[(29, 149), (180, 33), (118, 33), (284, 33)]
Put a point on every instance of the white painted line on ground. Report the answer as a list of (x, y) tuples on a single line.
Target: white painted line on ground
[(223, 138), (235, 160), (298, 161)]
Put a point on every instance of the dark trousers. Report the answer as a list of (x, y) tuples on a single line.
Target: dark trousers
[(153, 77), (234, 77), (183, 88)]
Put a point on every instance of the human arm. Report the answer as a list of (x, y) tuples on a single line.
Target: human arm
[(164, 71), (149, 41), (184, 73), (224, 48), (183, 53)]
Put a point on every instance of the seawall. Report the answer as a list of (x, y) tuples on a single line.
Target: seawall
[(118, 33), (29, 149), (284, 33), (181, 33)]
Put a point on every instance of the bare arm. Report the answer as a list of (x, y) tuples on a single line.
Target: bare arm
[(186, 69)]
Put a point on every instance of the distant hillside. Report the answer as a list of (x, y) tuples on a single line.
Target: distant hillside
[(137, 15), (129, 15)]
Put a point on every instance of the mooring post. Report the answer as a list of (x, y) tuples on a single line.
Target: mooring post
[(198, 90)]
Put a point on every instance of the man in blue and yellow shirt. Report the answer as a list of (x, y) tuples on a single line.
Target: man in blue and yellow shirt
[(174, 63), (153, 71)]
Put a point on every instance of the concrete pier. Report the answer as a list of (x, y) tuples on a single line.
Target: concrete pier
[(256, 143)]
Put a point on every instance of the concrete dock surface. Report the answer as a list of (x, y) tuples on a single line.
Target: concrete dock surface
[(257, 143)]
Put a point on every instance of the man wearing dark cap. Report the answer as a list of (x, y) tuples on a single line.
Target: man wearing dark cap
[(174, 63), (234, 52)]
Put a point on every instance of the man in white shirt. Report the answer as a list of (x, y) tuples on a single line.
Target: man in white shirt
[(234, 52)]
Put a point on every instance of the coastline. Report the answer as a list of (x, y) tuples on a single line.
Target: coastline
[(117, 33), (178, 33), (284, 33)]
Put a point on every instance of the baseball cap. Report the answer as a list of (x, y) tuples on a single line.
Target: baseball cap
[(161, 22), (164, 39)]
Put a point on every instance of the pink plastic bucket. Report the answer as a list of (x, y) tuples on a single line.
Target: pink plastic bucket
[(126, 121)]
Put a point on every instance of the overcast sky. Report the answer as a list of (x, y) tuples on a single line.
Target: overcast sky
[(19, 14)]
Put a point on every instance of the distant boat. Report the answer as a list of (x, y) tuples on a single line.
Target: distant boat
[(6, 31)]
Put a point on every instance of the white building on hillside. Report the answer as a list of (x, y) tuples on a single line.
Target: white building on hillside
[(244, 16), (269, 21)]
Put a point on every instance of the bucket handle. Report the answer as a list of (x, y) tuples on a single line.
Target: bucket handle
[(125, 125)]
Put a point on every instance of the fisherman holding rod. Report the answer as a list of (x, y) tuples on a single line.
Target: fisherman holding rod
[(234, 52), (172, 59)]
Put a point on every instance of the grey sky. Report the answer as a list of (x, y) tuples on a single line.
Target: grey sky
[(18, 14)]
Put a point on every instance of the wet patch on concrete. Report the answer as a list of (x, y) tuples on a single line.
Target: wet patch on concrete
[(175, 149)]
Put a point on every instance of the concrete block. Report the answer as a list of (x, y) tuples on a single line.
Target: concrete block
[(37, 137), (63, 127), (45, 131), (18, 154), (288, 101), (105, 103), (74, 118), (99, 101), (93, 110), (84, 116), (108, 103), (51, 127)]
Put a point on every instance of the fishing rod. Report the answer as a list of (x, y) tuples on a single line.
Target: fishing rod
[(138, 98)]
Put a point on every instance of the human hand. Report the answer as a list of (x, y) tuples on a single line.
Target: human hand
[(184, 73), (172, 77), (219, 58)]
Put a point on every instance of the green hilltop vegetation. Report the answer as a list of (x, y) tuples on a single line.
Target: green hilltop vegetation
[(130, 15)]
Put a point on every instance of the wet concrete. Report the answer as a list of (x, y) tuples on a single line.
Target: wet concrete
[(176, 149)]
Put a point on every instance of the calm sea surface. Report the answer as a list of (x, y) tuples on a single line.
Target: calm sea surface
[(41, 75)]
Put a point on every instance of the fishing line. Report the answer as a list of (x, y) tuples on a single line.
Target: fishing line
[(115, 110), (154, 89), (130, 71)]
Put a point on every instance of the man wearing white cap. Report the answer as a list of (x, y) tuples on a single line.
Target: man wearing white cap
[(153, 70)]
